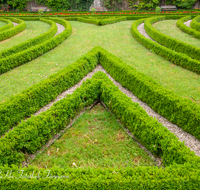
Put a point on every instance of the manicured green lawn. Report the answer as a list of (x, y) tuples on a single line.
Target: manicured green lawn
[(95, 140), (2, 23), (33, 28), (117, 39), (169, 28)]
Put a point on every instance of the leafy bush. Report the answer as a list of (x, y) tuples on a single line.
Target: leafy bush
[(158, 9)]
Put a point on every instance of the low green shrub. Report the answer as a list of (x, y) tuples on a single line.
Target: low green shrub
[(32, 42), (169, 42), (195, 23), (136, 178), (100, 22), (14, 30), (31, 100), (7, 26), (179, 59), (178, 110), (31, 53), (184, 28), (31, 135)]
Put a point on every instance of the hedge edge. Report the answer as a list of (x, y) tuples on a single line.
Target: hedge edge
[(169, 42), (188, 30), (14, 30), (7, 26), (179, 59), (31, 53), (31, 42)]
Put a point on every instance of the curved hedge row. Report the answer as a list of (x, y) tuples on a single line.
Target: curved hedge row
[(31, 53), (179, 59), (169, 42), (184, 28), (99, 22), (13, 31), (31, 42), (195, 23), (7, 26)]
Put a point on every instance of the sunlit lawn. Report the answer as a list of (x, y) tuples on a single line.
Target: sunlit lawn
[(117, 39)]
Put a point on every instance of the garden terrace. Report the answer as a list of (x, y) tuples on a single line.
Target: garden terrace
[(149, 98)]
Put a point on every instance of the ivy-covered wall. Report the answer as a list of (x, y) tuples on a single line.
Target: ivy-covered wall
[(109, 4)]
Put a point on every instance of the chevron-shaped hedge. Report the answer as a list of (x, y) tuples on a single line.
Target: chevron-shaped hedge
[(28, 136)]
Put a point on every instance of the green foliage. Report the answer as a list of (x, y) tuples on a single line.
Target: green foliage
[(7, 26), (143, 4), (184, 28), (158, 9), (169, 42), (184, 4), (14, 30), (31, 53), (18, 4), (195, 24), (41, 12), (175, 57), (101, 22), (30, 43), (93, 10)]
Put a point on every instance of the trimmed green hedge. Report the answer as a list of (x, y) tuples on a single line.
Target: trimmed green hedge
[(31, 135), (178, 110), (195, 23), (14, 30), (184, 28), (94, 179), (179, 59), (7, 26), (31, 53), (32, 42), (99, 22), (31, 100), (169, 42)]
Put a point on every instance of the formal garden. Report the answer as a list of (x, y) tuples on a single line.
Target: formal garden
[(100, 99)]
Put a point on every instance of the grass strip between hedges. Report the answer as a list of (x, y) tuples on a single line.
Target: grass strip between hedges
[(14, 30), (31, 42), (169, 42), (177, 58), (7, 26), (188, 30), (31, 53), (176, 109)]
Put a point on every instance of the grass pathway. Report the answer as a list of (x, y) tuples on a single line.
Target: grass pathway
[(33, 28), (95, 140), (117, 39), (2, 23), (169, 28)]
